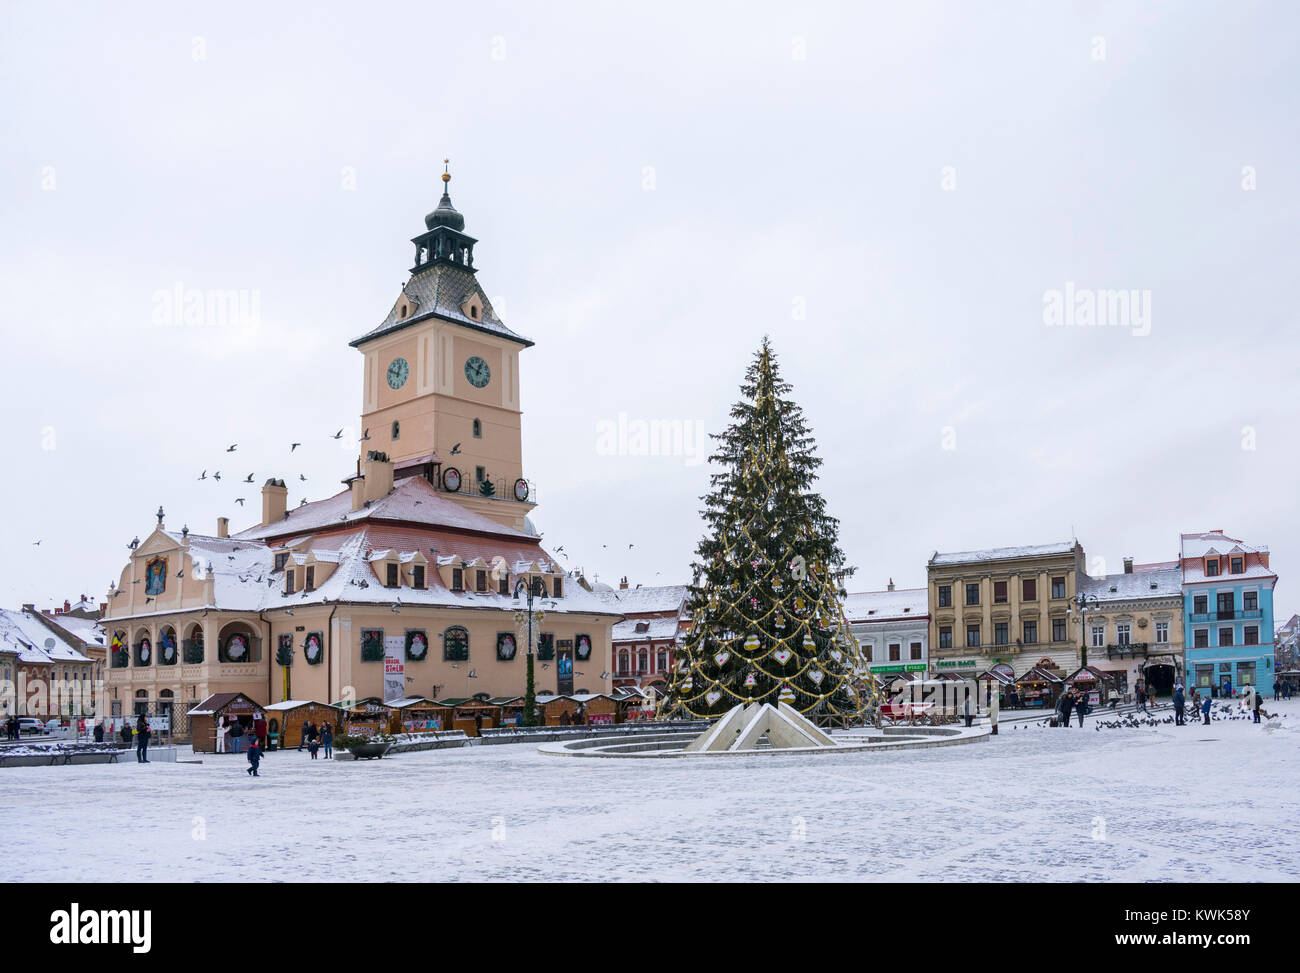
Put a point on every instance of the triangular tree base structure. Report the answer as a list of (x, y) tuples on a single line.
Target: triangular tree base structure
[(746, 724)]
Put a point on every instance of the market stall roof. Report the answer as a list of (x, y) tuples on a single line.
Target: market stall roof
[(410, 701), (1002, 672), (289, 704), (219, 701), (364, 701), (946, 677), (1039, 674), (505, 700), (1084, 673)]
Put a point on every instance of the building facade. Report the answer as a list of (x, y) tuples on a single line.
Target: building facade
[(645, 641), (44, 674), (407, 581), (1134, 626), (1006, 605), (1227, 612), (892, 628)]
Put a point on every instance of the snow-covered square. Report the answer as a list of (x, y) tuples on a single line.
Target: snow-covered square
[(1164, 803)]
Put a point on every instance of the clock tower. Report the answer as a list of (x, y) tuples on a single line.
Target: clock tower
[(441, 379)]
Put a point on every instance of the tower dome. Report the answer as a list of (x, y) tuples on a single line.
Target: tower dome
[(446, 214)]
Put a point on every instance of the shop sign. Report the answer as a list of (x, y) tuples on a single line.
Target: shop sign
[(958, 664), (914, 667)]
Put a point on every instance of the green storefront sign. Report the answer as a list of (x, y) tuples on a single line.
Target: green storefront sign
[(914, 667), (958, 664)]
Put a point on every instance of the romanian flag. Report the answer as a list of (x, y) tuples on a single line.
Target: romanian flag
[(117, 642)]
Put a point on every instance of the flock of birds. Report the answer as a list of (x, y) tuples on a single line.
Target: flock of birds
[(1136, 719), (216, 474)]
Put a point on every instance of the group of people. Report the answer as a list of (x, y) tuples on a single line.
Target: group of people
[(1072, 700), (315, 737), (11, 728)]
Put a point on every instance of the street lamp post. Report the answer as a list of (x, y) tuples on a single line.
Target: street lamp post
[(1081, 605), (530, 688)]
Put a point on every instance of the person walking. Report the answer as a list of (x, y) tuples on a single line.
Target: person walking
[(1205, 710), (1179, 702), (312, 735), (1081, 707), (327, 740), (254, 757), (142, 739), (1067, 704), (1257, 703), (966, 710), (1141, 694), (259, 730), (99, 732)]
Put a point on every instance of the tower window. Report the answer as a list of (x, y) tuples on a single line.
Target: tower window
[(401, 312), (417, 576), (478, 428), (397, 429), (473, 311), (390, 579), (480, 474)]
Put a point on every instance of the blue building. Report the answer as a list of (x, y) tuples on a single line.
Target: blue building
[(1227, 613)]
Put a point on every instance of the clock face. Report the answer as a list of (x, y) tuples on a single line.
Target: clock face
[(477, 371), (397, 373)]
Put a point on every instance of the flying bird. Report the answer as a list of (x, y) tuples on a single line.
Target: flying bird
[(293, 446), (217, 475), (364, 436), (231, 447), (239, 500), (303, 478), (204, 476), (338, 435), (36, 543), (455, 449), (249, 478)]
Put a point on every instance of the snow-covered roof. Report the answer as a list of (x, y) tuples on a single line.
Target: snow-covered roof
[(289, 704), (1210, 542), (1163, 582), (33, 641), (1003, 553), (438, 291), (88, 630), (644, 600), (413, 500), (873, 606), (655, 628)]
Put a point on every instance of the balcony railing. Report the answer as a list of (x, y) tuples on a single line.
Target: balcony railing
[(1227, 615)]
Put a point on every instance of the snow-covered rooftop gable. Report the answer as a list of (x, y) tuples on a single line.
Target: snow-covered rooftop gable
[(1162, 582), (873, 606)]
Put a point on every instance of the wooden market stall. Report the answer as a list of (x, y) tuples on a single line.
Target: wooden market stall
[(511, 709), (1099, 684), (472, 714), (1040, 686), (285, 720), (595, 709), (210, 716), (1000, 679), (365, 717), (417, 714)]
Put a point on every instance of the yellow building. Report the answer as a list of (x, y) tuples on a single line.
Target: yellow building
[(1135, 625), (412, 568), (1004, 605)]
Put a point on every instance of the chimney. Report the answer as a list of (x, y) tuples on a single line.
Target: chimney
[(30, 609), (67, 605), (358, 485), (103, 607), (275, 501), (223, 523), (378, 472), (891, 585), (1128, 565), (622, 585)]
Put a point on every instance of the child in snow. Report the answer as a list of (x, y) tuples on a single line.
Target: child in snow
[(1205, 710), (254, 757), (313, 745)]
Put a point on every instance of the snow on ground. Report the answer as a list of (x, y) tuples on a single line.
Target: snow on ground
[(1191, 803)]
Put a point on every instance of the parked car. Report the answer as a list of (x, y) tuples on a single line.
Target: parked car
[(30, 724), (53, 726)]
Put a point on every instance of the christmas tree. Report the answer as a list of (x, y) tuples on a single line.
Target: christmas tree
[(768, 621)]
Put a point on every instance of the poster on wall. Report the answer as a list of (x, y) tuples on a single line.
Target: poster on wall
[(564, 666), (394, 667)]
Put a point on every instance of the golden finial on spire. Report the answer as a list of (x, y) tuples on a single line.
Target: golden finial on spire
[(446, 170)]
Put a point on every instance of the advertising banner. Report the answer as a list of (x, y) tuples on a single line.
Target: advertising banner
[(564, 666), (394, 667)]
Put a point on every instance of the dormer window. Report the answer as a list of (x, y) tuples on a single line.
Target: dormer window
[(281, 560), (1238, 565), (311, 579), (457, 579), (480, 581), (473, 306), (402, 312), (1211, 567), (503, 584), (643, 626), (390, 578), (558, 588), (473, 311), (417, 576), (288, 583)]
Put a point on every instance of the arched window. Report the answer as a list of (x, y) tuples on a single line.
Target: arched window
[(623, 663), (397, 429), (192, 647), (643, 661), (663, 661), (478, 428), (455, 644)]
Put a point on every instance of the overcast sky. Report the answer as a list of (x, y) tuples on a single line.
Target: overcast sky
[(892, 194)]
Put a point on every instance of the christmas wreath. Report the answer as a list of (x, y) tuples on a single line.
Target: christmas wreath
[(417, 645), (311, 649)]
